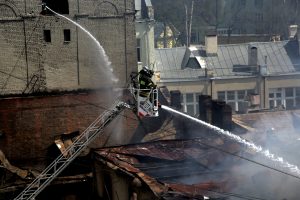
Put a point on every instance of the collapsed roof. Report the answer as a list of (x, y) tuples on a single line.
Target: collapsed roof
[(174, 169)]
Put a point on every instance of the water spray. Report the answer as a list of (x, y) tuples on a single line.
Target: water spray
[(105, 57), (258, 149)]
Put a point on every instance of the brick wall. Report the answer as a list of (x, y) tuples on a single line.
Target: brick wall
[(65, 65), (30, 124)]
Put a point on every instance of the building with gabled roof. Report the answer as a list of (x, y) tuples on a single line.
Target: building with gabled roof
[(257, 75)]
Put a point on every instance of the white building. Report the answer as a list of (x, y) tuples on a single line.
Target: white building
[(144, 25)]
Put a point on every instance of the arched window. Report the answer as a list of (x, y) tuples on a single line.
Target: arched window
[(106, 9), (7, 12), (59, 6)]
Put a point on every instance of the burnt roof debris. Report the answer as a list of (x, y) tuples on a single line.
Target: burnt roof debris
[(172, 168)]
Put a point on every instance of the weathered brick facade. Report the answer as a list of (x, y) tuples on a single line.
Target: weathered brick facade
[(30, 124), (60, 64), (48, 53)]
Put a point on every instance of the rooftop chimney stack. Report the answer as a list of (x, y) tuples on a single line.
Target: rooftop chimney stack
[(252, 56), (211, 44), (176, 99)]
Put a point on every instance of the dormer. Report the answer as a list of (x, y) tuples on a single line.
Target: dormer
[(190, 60)]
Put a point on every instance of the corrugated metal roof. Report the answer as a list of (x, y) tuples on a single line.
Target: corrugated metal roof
[(169, 59)]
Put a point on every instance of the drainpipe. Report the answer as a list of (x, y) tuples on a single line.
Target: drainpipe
[(25, 7), (264, 91), (125, 43), (77, 46), (211, 88), (26, 53), (259, 90), (147, 45)]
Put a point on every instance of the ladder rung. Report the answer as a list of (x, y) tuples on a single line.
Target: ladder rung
[(35, 188)]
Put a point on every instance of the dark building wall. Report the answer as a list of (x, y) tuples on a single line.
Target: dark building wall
[(65, 65), (31, 124)]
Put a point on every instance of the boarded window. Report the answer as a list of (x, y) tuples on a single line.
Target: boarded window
[(47, 35), (67, 35)]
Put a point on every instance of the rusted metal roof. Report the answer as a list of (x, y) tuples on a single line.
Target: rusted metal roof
[(171, 165)]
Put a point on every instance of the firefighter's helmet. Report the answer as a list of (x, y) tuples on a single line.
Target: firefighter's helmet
[(147, 71)]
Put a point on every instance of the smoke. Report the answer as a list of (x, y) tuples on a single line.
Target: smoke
[(276, 132), (250, 179)]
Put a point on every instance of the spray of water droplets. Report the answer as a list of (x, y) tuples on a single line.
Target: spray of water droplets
[(107, 63), (258, 149)]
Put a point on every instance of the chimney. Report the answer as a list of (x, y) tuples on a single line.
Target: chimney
[(263, 68), (211, 44), (252, 56), (205, 103), (221, 115), (176, 99), (293, 30)]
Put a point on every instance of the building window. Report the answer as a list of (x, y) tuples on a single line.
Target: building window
[(47, 35), (67, 35), (138, 49), (284, 97), (59, 6), (276, 98), (235, 99), (221, 96), (190, 103)]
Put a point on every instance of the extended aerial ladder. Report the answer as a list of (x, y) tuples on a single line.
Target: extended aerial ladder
[(71, 152), (145, 105)]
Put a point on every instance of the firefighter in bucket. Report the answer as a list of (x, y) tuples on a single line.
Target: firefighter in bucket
[(145, 81), (147, 93)]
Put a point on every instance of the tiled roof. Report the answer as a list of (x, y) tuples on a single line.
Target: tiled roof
[(282, 58)]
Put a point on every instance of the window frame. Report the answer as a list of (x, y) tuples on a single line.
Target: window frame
[(194, 103), (236, 100), (67, 35), (47, 36), (280, 94)]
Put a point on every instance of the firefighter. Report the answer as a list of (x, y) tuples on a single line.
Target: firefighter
[(145, 81)]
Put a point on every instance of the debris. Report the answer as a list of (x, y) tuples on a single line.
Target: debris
[(24, 174)]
